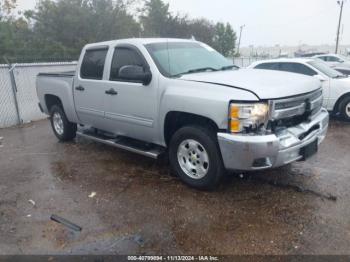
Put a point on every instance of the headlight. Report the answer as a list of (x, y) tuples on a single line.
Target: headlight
[(247, 117)]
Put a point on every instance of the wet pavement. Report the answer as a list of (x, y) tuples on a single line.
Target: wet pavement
[(139, 208)]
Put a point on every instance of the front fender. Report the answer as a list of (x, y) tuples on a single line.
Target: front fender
[(207, 100)]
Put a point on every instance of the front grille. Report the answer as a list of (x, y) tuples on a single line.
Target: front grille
[(308, 104), (287, 122), (293, 111)]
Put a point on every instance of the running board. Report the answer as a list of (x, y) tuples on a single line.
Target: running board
[(152, 151)]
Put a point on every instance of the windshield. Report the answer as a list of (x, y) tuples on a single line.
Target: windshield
[(325, 69), (176, 58)]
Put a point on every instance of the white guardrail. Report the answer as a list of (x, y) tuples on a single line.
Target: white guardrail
[(18, 99)]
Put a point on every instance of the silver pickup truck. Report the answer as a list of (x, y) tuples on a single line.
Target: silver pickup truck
[(181, 97)]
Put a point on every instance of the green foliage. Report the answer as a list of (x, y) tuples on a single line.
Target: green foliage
[(157, 21), (67, 25), (59, 29), (224, 39), (6, 8), (155, 18)]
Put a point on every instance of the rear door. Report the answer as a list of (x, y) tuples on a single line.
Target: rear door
[(89, 91)]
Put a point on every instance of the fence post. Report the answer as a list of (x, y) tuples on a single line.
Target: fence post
[(14, 91)]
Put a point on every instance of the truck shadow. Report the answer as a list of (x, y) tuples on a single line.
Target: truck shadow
[(107, 167)]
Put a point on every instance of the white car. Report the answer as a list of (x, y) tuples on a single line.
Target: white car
[(336, 86), (335, 60)]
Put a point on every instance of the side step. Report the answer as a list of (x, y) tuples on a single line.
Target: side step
[(125, 143)]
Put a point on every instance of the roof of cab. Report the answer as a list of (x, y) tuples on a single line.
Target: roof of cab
[(283, 60), (142, 41)]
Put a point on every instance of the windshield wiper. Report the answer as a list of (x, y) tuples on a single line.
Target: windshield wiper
[(197, 70), (229, 67)]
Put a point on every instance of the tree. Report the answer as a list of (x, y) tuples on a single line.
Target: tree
[(67, 25), (155, 18), (6, 8), (58, 29), (157, 21), (203, 30), (225, 39)]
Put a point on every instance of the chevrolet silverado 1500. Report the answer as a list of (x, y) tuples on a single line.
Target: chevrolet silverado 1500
[(181, 97)]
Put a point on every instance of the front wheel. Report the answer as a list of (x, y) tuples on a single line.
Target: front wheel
[(345, 108), (63, 129), (195, 157)]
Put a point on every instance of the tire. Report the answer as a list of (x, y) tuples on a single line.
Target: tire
[(344, 108), (62, 128), (195, 157)]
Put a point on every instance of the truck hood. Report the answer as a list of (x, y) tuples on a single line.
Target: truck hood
[(265, 84)]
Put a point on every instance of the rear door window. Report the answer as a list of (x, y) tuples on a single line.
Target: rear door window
[(268, 66), (297, 68), (323, 58), (333, 59), (93, 64)]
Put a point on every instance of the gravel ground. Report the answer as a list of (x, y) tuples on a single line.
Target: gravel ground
[(139, 208)]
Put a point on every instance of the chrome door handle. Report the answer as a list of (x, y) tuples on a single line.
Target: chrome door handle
[(111, 92), (80, 88)]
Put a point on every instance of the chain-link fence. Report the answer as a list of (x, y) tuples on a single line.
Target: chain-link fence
[(18, 99), (246, 61), (8, 112)]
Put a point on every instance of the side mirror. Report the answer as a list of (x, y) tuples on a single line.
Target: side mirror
[(135, 73), (319, 77)]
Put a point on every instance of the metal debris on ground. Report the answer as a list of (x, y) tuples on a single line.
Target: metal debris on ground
[(65, 222), (139, 240), (92, 195), (32, 202)]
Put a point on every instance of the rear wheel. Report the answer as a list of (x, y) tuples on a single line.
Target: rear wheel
[(62, 128), (195, 157), (345, 108)]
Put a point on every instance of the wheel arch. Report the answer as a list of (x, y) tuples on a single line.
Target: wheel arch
[(336, 107), (51, 100), (174, 120)]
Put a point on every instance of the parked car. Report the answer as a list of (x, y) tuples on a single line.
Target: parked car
[(335, 60), (152, 96), (336, 86), (339, 62), (343, 70)]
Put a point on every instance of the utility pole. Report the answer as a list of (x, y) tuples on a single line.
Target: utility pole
[(341, 3), (240, 36)]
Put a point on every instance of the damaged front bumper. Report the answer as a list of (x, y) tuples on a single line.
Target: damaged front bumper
[(256, 152)]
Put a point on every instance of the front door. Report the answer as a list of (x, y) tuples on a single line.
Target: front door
[(131, 106)]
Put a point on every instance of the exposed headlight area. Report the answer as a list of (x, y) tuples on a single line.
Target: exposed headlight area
[(246, 118)]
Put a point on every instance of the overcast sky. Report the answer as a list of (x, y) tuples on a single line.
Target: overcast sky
[(268, 22)]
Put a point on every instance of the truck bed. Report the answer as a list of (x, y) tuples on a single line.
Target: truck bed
[(60, 86), (58, 74)]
